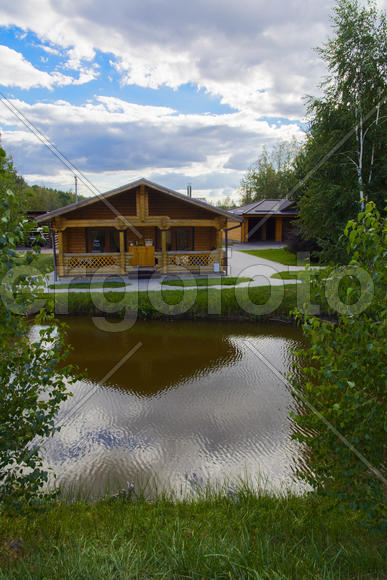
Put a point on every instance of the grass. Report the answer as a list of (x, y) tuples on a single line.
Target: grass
[(280, 255), (239, 302), (297, 274), (207, 302), (229, 281), (90, 285), (246, 536)]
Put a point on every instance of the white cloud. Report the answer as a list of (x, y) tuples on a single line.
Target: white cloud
[(232, 50), (16, 71), (49, 49), (114, 141)]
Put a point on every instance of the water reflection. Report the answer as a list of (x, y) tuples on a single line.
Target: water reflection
[(170, 353), (193, 399)]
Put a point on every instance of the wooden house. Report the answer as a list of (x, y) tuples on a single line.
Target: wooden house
[(264, 220), (141, 225)]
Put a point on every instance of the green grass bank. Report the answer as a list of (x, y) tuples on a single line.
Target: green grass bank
[(246, 536), (263, 302)]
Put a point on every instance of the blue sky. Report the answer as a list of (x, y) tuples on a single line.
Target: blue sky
[(162, 89)]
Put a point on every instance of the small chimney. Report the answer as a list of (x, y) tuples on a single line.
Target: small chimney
[(189, 190)]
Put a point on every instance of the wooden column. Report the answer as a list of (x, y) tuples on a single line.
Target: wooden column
[(245, 231), (164, 256), (278, 229), (219, 245), (122, 251), (263, 230), (60, 254)]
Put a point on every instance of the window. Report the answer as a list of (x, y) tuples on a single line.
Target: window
[(96, 241), (102, 240), (178, 239), (183, 239), (114, 241), (169, 240)]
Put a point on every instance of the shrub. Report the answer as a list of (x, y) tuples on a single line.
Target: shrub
[(343, 391), (31, 385)]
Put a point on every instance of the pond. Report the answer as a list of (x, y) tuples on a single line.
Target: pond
[(173, 405)]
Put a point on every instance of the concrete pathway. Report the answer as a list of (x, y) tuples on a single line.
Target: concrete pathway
[(242, 264)]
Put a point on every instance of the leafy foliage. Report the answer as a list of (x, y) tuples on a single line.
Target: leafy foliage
[(32, 386), (345, 376)]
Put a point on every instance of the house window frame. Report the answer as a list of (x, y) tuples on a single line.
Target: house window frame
[(172, 239), (108, 240)]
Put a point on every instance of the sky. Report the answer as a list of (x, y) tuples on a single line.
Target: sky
[(176, 92)]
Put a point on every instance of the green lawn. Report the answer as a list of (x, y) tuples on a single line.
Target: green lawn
[(280, 255), (90, 285), (296, 274), (243, 536), (229, 281)]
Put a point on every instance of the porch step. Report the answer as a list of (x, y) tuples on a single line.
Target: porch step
[(142, 272)]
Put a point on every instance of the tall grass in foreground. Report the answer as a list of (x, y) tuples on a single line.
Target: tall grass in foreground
[(212, 536)]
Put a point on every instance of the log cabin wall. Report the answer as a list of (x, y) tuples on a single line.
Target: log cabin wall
[(205, 239), (146, 233), (162, 204), (235, 234), (74, 240), (124, 203)]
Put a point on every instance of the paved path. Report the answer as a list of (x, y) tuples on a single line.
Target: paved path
[(242, 264)]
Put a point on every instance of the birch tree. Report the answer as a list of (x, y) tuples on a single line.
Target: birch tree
[(357, 63), (345, 156)]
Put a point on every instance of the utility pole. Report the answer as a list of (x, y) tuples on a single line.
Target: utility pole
[(76, 188)]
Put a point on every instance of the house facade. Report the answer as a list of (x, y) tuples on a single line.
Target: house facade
[(141, 225), (264, 220)]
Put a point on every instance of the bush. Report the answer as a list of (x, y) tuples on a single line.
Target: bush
[(342, 394), (297, 243), (31, 385)]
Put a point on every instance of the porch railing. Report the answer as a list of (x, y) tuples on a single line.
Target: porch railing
[(196, 261), (74, 263), (203, 261)]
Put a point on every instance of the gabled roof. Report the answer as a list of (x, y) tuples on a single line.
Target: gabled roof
[(111, 193), (265, 206)]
